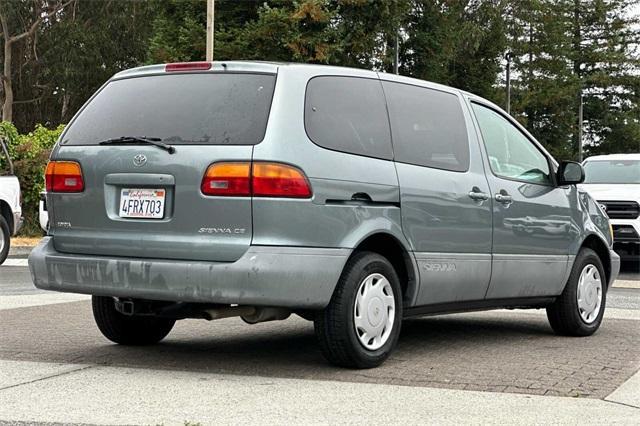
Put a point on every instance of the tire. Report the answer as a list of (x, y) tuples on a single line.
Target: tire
[(335, 327), (5, 239), (565, 314), (128, 330)]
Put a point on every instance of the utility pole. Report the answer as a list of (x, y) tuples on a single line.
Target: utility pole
[(580, 128), (508, 57), (397, 58), (210, 15)]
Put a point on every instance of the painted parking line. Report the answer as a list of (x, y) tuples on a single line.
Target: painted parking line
[(626, 284), (15, 262), (49, 298)]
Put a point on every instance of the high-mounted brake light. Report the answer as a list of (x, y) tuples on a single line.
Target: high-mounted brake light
[(260, 179), (279, 180), (188, 66), (64, 176), (230, 179)]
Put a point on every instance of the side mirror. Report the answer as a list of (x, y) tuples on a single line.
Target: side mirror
[(570, 173)]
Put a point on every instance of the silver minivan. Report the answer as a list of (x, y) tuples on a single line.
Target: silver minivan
[(349, 197)]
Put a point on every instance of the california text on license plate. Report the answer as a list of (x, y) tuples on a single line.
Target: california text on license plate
[(142, 203)]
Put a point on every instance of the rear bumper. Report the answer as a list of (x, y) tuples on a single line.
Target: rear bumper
[(292, 277)]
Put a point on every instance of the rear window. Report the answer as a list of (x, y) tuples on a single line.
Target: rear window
[(206, 109), (348, 114), (428, 127)]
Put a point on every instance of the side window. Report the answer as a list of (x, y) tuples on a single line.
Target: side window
[(348, 114), (428, 127), (511, 154)]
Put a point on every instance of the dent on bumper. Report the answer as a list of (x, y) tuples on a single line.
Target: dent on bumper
[(268, 276)]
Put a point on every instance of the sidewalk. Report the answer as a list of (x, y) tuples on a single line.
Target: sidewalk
[(76, 393)]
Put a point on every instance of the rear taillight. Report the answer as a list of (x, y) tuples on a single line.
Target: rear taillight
[(260, 179), (188, 66), (279, 180), (230, 179), (64, 176)]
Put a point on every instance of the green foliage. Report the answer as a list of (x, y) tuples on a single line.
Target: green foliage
[(560, 48), (566, 47), (30, 153), (67, 60)]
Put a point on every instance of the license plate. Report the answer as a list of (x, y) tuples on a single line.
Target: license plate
[(142, 203)]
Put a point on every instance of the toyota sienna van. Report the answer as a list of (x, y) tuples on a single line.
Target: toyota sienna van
[(351, 198)]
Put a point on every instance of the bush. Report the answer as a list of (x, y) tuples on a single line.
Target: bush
[(30, 153)]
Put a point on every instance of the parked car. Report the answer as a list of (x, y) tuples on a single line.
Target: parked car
[(10, 202), (352, 198), (43, 213), (614, 181)]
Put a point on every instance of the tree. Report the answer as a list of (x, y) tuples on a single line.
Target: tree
[(455, 42), (565, 48), (28, 15), (90, 43)]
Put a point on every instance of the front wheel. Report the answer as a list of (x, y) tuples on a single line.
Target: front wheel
[(125, 329), (360, 326), (580, 308)]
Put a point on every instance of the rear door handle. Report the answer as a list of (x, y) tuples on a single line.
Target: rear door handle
[(504, 198), (478, 195)]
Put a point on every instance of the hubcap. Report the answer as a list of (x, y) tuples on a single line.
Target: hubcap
[(374, 311), (589, 293)]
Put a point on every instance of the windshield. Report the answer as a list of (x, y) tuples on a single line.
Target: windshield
[(206, 109), (612, 171)]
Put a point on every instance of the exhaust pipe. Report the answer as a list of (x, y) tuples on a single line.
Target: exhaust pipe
[(228, 311), (266, 314), (249, 314)]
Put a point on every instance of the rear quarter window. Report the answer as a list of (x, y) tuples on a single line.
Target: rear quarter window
[(348, 114), (190, 108), (428, 127)]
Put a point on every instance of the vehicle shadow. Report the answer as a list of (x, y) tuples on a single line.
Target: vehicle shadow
[(275, 348), (464, 351)]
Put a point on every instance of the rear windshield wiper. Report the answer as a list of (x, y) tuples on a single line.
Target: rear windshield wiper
[(136, 140)]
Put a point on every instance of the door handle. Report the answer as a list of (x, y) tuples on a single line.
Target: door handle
[(478, 195), (504, 198), (361, 196)]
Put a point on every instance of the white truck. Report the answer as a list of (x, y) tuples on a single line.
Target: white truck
[(10, 208), (614, 181)]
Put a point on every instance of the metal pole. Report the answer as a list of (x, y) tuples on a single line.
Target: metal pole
[(580, 108), (210, 16), (397, 58), (508, 58)]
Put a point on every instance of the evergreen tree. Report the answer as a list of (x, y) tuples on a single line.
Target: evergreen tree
[(567, 48)]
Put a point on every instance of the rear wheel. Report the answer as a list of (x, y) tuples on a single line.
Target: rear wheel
[(360, 326), (125, 329), (5, 239), (580, 308)]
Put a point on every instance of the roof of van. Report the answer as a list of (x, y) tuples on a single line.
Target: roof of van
[(614, 157), (272, 67)]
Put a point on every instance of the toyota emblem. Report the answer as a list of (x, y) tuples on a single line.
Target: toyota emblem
[(140, 160)]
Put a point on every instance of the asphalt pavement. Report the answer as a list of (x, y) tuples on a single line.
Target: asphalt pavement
[(488, 367)]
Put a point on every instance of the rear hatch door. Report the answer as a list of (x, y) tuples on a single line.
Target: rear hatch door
[(140, 200)]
